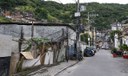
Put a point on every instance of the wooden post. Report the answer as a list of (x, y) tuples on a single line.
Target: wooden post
[(42, 55), (21, 39), (32, 30), (21, 58), (13, 63)]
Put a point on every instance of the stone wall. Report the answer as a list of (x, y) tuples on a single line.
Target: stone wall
[(8, 32)]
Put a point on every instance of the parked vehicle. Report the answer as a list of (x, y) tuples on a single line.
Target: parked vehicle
[(88, 52), (93, 49)]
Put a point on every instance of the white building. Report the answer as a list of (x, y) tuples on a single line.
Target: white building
[(116, 26)]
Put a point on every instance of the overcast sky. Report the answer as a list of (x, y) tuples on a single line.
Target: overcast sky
[(100, 1)]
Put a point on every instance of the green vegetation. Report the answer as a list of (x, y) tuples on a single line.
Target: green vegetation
[(64, 13), (3, 19), (25, 8), (123, 47), (84, 37), (113, 50)]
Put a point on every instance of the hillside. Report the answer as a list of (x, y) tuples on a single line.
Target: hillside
[(48, 11)]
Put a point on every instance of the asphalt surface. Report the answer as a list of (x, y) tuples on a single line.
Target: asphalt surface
[(102, 64)]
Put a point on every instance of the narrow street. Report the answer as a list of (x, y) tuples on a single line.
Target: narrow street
[(102, 64)]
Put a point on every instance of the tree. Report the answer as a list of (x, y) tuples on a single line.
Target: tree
[(84, 37), (6, 4), (41, 13), (112, 34)]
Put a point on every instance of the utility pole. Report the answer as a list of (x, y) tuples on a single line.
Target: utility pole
[(89, 20), (89, 38), (92, 39), (94, 34), (77, 14), (67, 47)]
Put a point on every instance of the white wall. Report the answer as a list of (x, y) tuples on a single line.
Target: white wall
[(116, 40), (113, 28), (125, 40), (117, 26)]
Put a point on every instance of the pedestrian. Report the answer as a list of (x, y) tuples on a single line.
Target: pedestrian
[(97, 47)]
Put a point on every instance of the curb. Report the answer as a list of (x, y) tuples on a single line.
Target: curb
[(66, 68), (38, 71)]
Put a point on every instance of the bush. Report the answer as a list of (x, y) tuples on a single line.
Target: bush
[(3, 19), (113, 50), (123, 47)]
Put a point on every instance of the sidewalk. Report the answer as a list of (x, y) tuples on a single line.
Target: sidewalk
[(54, 70)]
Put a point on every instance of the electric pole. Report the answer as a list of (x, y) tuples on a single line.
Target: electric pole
[(77, 14)]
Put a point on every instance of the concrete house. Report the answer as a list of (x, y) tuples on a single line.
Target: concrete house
[(117, 26), (123, 39), (125, 34)]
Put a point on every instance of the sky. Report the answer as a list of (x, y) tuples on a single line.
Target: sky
[(99, 1)]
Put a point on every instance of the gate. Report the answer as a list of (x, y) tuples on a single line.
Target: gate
[(4, 66)]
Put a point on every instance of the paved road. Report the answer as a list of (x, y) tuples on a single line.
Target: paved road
[(102, 64)]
